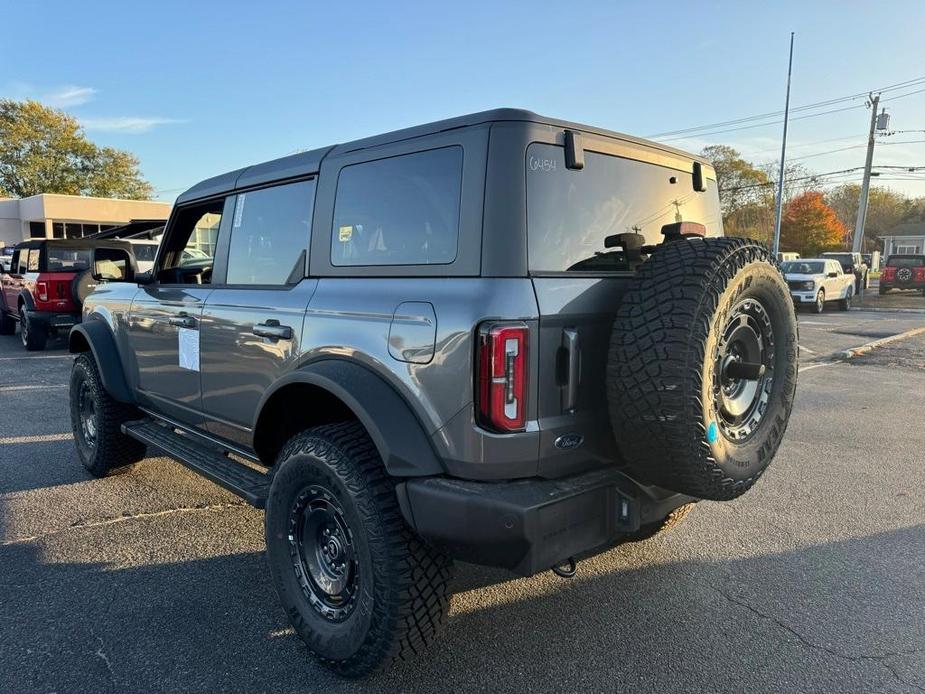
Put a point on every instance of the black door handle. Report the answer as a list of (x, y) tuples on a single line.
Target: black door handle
[(273, 330)]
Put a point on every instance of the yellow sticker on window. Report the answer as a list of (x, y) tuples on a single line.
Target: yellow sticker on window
[(345, 233)]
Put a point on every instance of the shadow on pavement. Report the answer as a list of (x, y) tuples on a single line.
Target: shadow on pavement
[(822, 618)]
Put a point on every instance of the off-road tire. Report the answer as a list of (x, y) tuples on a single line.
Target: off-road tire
[(845, 304), (661, 370), (34, 337), (650, 530), (111, 449), (404, 595), (7, 323)]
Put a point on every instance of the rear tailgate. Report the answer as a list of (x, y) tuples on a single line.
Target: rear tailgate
[(579, 282), (53, 292)]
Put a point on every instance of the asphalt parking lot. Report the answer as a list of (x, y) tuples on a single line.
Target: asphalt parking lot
[(154, 579)]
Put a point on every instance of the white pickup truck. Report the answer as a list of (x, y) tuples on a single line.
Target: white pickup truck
[(813, 281)]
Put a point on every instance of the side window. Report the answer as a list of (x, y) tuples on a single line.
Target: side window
[(399, 211), (112, 264), (190, 244), (14, 263), (270, 234), (34, 256)]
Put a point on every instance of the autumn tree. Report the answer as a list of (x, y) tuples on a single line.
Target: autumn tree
[(44, 150), (809, 226)]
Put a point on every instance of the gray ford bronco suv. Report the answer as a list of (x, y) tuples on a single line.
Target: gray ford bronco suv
[(501, 338)]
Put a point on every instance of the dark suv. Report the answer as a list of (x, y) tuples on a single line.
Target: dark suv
[(501, 338), (903, 272), (853, 264), (48, 281)]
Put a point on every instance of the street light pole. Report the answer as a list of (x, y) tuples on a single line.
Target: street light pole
[(783, 152), (857, 243)]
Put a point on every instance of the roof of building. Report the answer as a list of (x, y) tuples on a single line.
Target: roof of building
[(907, 229), (307, 163)]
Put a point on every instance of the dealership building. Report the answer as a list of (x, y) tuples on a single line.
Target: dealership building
[(52, 216)]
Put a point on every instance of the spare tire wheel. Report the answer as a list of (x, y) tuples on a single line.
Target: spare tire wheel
[(702, 367), (82, 285)]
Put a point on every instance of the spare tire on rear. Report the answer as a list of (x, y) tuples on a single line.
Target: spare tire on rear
[(702, 367), (82, 285)]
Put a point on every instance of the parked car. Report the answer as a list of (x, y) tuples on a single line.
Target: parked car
[(6, 258), (814, 281), (853, 264), (482, 339), (49, 279), (903, 272)]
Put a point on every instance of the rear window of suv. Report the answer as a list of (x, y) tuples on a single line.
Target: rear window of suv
[(571, 212), (402, 210), (68, 259), (911, 261)]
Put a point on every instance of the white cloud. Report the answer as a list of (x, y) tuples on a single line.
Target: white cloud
[(68, 95), (125, 124)]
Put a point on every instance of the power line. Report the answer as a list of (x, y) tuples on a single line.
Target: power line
[(819, 104), (817, 176)]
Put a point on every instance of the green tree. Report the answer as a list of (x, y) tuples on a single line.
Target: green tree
[(745, 194), (885, 209), (43, 150), (809, 226)]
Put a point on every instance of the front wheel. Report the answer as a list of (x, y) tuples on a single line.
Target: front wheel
[(359, 588), (819, 306), (96, 420)]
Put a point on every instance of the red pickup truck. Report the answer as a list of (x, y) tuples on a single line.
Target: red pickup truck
[(49, 279)]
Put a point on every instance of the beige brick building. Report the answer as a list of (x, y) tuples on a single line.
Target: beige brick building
[(69, 216)]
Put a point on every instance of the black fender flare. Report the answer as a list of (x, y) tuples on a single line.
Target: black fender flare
[(102, 343), (397, 433), (27, 300)]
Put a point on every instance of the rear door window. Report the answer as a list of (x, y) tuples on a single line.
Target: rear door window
[(402, 210), (35, 255), (571, 212), (270, 235)]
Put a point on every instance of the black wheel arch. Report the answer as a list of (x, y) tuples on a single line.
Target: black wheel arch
[(97, 338), (347, 390), (25, 299)]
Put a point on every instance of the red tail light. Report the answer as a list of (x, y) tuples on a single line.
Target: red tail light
[(502, 376), (888, 273), (919, 274), (41, 289)]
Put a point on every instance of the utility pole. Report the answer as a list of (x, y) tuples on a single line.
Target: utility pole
[(783, 152), (865, 186)]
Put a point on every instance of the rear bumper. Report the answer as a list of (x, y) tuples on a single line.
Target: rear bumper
[(50, 320), (530, 525)]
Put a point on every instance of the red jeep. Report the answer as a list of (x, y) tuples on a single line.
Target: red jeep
[(49, 279), (903, 272)]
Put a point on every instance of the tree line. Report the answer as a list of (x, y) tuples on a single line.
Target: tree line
[(813, 220)]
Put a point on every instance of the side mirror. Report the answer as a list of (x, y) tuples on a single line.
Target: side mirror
[(144, 277)]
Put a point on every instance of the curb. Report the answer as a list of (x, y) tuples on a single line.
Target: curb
[(875, 309), (867, 347)]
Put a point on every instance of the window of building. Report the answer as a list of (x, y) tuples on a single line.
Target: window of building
[(399, 211), (57, 230), (72, 230), (908, 250), (37, 230), (270, 233)]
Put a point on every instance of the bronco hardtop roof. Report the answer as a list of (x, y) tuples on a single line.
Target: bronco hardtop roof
[(307, 163)]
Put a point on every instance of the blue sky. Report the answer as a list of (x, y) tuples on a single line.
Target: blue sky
[(197, 88)]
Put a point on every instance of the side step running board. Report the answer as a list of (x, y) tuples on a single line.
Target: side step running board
[(249, 484)]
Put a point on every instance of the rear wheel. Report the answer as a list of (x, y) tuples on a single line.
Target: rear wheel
[(845, 304), (360, 589), (702, 367), (34, 337), (96, 420)]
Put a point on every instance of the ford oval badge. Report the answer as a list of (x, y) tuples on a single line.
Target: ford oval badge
[(569, 441)]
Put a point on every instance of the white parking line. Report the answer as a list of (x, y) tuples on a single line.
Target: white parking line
[(819, 366), (6, 389), (807, 349), (41, 438)]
